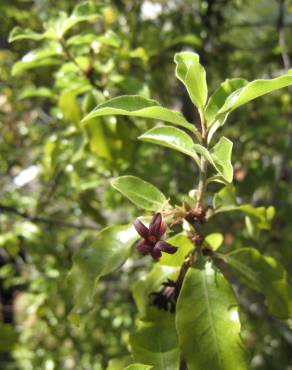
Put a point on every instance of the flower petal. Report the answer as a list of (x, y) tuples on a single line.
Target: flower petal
[(162, 229), (165, 247), (155, 253), (143, 247), (141, 228), (155, 225)]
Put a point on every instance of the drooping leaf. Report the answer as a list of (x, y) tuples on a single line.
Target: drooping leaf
[(138, 106), (265, 275), (184, 245), (98, 141), (140, 192), (208, 324), (155, 342), (109, 251), (193, 75)]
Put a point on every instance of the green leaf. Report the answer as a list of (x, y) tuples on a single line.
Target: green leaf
[(138, 367), (185, 246), (19, 33), (254, 90), (69, 106), (221, 154), (193, 75), (97, 138), (214, 240), (217, 100), (207, 322), (155, 342), (36, 92), (173, 138), (138, 106), (109, 251), (140, 192), (42, 57), (265, 275)]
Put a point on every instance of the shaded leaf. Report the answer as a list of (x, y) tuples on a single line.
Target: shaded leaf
[(155, 342), (109, 251), (265, 275)]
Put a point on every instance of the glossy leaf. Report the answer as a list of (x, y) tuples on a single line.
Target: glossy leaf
[(138, 106), (155, 342), (254, 90), (265, 275), (221, 154), (184, 245), (140, 192), (193, 75), (208, 324), (171, 137), (219, 97), (174, 138), (109, 251)]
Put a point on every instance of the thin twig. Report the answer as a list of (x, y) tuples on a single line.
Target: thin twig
[(44, 220)]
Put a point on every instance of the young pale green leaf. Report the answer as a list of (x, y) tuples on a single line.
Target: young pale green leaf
[(138, 106), (155, 342), (140, 192), (221, 154), (184, 245), (174, 138), (36, 92), (215, 240), (219, 97), (253, 90), (171, 137), (265, 275), (109, 251), (208, 324), (193, 75)]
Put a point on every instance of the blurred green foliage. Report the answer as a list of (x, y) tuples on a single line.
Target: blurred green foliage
[(56, 172)]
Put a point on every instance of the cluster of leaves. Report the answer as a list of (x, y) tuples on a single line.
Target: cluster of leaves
[(80, 57)]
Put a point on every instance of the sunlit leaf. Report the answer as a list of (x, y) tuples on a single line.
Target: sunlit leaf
[(140, 192), (208, 324), (193, 75), (138, 106)]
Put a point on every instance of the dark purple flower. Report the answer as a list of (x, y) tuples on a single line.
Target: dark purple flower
[(151, 243)]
